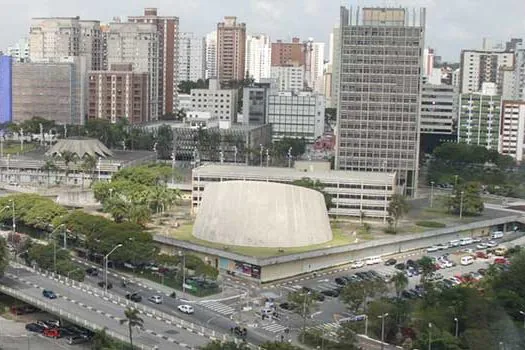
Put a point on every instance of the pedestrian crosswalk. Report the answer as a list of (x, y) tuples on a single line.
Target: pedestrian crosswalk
[(326, 328), (218, 307), (274, 328)]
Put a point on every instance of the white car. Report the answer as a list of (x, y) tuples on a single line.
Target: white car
[(187, 309), (156, 299), (491, 244), (442, 246), (468, 250), (357, 265), (447, 264), (481, 246), (434, 248), (476, 240)]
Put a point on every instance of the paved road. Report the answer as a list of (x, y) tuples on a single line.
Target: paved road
[(105, 313)]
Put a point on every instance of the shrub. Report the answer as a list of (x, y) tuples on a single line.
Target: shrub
[(433, 224)]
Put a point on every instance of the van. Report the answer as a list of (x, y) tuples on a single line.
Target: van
[(373, 260), (497, 234), (466, 241), (454, 243), (467, 260)]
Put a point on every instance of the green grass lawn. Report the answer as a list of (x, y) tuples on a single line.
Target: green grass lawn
[(184, 233), (14, 148)]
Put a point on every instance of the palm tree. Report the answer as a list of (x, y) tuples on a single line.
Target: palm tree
[(68, 157), (400, 282), (88, 166), (133, 320), (427, 265), (49, 166)]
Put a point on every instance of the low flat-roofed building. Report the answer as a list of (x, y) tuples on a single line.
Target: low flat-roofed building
[(353, 193)]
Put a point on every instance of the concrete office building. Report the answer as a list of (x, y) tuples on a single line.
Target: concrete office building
[(296, 115), (214, 103), (184, 101), (255, 103), (512, 129), (19, 51), (6, 95), (481, 66), (52, 38), (286, 54), (336, 65), (192, 57), (314, 64), (231, 50), (479, 120), (118, 94), (258, 56), (138, 44), (380, 92), (438, 109), (167, 29), (289, 78), (211, 55), (55, 91), (352, 192)]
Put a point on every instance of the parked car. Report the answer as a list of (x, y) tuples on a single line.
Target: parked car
[(481, 246), (432, 249), (330, 293), (342, 281), (441, 246), (390, 262), (92, 271), (481, 255), (492, 244), (134, 297), (400, 266), (33, 327), (156, 299), (357, 264), (77, 339), (187, 309), (23, 309), (51, 333), (482, 272), (49, 294), (288, 306)]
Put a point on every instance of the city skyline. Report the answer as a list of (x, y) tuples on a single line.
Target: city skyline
[(451, 26)]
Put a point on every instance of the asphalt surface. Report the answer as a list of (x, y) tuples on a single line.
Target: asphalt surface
[(95, 309)]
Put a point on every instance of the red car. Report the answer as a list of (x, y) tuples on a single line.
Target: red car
[(501, 261), (482, 255), (51, 332)]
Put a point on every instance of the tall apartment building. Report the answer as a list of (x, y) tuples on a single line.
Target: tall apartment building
[(52, 38), (258, 56), (428, 61), (511, 80), (478, 119), (296, 115), (438, 109), (211, 55), (336, 64), (19, 51), (285, 54), (480, 66), (167, 29), (380, 92), (214, 103), (231, 50), (52, 90), (137, 44), (289, 78), (6, 95), (118, 93), (512, 129), (192, 57), (314, 64)]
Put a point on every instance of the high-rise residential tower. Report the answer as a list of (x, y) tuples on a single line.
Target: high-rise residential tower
[(52, 38), (211, 55), (137, 44), (192, 57), (19, 51), (258, 56), (481, 66), (231, 50), (167, 28), (380, 92)]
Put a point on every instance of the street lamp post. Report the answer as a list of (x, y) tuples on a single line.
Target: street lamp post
[(106, 267), (99, 163), (261, 153), (366, 325), (429, 336), (457, 326), (431, 192), (456, 180), (382, 317), (267, 157), (304, 314), (14, 218), (290, 157), (461, 205), (235, 154)]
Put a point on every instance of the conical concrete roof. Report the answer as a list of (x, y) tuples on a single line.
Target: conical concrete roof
[(81, 147)]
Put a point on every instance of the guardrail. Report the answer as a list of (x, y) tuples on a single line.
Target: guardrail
[(65, 315), (143, 309)]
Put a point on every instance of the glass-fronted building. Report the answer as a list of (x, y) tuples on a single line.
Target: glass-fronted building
[(6, 94)]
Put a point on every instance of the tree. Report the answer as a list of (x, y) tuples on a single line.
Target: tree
[(466, 199), (49, 166), (346, 338), (133, 320), (89, 164), (317, 186), (397, 208), (68, 157), (164, 141), (355, 295), (427, 265), (218, 345), (400, 281), (101, 340), (4, 256)]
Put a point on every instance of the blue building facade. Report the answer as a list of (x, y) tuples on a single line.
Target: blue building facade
[(6, 92)]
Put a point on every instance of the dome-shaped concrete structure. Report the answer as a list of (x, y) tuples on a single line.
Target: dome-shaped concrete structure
[(262, 214)]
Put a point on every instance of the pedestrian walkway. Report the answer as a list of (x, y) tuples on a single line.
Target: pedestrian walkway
[(217, 307), (274, 328), (329, 329)]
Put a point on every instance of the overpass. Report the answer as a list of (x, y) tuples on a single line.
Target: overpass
[(88, 307)]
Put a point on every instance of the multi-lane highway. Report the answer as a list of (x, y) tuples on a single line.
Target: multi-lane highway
[(159, 332)]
